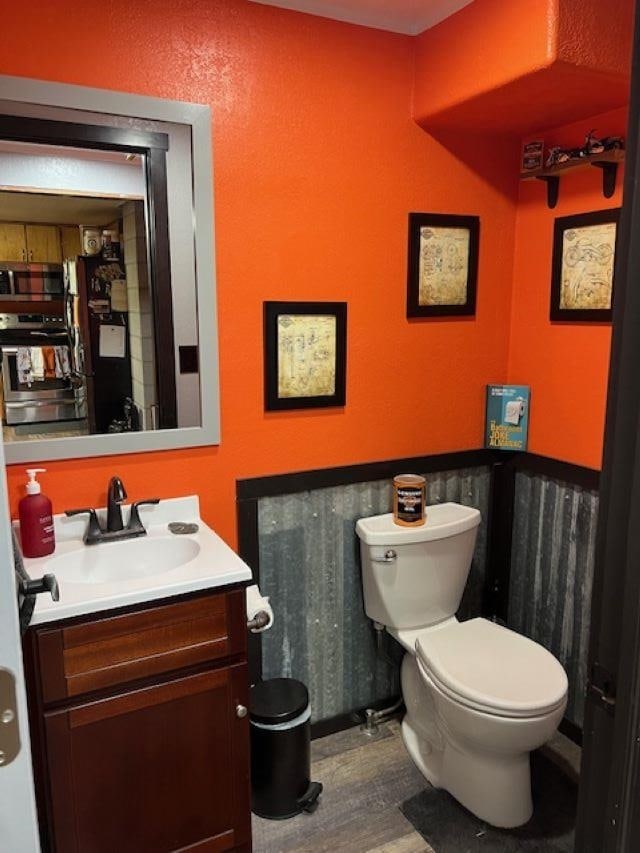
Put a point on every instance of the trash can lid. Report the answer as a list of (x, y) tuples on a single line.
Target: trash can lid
[(278, 700)]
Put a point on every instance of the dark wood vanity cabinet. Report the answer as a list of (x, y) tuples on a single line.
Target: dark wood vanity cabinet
[(140, 736)]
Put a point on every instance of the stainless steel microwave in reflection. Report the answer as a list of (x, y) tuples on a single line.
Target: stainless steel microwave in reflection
[(31, 282)]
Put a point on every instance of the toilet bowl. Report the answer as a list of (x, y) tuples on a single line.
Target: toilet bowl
[(479, 697), (476, 743)]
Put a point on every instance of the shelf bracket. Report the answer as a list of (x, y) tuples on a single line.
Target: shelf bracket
[(553, 188), (609, 176)]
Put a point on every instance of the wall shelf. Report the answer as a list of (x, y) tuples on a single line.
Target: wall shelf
[(607, 161)]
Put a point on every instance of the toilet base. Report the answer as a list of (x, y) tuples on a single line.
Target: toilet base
[(427, 759), (493, 783), (497, 792)]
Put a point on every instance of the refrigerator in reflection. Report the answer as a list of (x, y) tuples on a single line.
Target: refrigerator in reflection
[(99, 327)]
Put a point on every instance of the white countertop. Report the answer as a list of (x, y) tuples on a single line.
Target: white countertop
[(215, 564)]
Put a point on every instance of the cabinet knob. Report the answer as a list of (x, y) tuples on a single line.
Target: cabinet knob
[(241, 711)]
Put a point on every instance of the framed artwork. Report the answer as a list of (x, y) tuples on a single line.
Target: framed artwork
[(305, 354), (443, 265), (583, 264)]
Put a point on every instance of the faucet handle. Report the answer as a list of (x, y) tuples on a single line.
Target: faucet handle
[(134, 517), (71, 512), (94, 530)]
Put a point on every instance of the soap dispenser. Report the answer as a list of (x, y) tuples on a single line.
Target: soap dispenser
[(36, 519)]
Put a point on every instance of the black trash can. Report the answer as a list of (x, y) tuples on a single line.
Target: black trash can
[(281, 750)]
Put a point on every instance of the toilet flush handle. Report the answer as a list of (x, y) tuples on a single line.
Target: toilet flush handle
[(389, 557)]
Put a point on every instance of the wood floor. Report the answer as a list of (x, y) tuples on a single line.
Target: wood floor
[(365, 780)]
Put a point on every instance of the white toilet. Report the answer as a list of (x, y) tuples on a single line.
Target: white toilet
[(479, 697)]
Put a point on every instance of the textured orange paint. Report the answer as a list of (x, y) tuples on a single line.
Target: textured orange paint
[(535, 64), (454, 64), (317, 164), (566, 364), (596, 35)]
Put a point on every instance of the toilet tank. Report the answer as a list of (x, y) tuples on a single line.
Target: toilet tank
[(414, 577)]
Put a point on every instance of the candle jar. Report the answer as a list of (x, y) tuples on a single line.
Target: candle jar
[(409, 499)]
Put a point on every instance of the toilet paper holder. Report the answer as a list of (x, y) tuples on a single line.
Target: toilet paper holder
[(260, 620), (259, 611)]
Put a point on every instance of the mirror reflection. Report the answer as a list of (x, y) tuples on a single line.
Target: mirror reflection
[(81, 334)]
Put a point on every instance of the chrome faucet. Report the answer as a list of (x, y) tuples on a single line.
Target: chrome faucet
[(115, 529)]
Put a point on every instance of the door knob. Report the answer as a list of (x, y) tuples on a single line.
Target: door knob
[(241, 711)]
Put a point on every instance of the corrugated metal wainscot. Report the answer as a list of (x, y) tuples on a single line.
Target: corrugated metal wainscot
[(552, 559), (310, 566)]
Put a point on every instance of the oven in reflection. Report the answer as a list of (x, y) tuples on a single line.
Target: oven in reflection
[(40, 394)]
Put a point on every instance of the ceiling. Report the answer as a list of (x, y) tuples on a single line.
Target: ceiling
[(399, 16), (58, 209)]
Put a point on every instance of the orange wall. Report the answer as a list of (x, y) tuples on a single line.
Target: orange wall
[(566, 364), (517, 67), (454, 66), (597, 35), (317, 163)]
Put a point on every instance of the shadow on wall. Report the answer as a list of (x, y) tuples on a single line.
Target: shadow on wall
[(494, 156), (310, 567)]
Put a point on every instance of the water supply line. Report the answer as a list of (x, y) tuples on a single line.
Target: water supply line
[(372, 717), (381, 646)]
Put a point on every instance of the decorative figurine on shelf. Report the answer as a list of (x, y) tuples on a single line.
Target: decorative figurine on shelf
[(559, 155), (593, 145)]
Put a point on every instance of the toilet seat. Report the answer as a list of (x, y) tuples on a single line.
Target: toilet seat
[(491, 669), (481, 708)]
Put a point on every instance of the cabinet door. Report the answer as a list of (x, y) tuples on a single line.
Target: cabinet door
[(70, 240), (161, 769), (13, 244), (43, 244)]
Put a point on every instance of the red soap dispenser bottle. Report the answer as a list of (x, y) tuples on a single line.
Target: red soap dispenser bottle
[(36, 519)]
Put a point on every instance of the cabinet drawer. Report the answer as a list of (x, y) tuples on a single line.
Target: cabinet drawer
[(104, 652)]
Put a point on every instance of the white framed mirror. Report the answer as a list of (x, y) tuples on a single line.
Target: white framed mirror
[(108, 327)]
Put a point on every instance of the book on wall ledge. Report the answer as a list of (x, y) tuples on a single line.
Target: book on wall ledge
[(507, 417)]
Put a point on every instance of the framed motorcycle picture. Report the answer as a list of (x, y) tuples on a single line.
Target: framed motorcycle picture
[(583, 264), (305, 352), (443, 265)]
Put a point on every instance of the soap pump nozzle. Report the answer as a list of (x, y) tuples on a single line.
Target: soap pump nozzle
[(33, 486)]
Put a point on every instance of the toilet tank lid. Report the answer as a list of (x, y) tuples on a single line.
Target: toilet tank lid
[(443, 520)]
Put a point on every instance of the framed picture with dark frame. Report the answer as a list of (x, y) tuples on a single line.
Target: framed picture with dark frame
[(582, 271), (305, 355), (443, 265)]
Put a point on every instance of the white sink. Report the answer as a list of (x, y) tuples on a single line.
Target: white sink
[(111, 562), (98, 578)]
